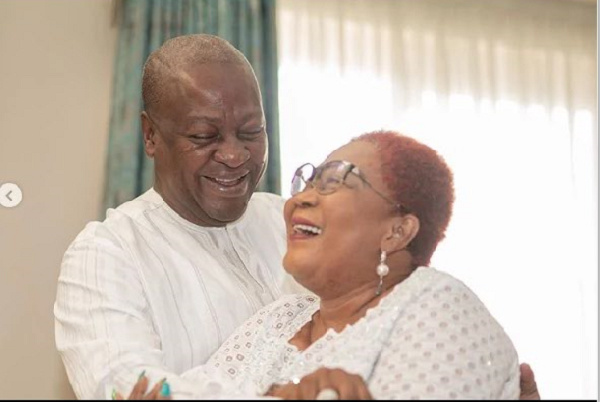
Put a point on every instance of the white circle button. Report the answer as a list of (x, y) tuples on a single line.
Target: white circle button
[(10, 195)]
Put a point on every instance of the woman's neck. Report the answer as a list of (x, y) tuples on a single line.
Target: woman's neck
[(346, 309), (347, 306), (340, 311)]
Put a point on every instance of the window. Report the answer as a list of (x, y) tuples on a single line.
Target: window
[(506, 92)]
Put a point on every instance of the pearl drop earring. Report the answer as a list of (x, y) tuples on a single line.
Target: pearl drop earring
[(382, 270)]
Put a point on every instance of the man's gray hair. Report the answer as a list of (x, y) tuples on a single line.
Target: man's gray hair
[(179, 53)]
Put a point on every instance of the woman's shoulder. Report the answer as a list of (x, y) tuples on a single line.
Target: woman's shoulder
[(441, 299), (434, 283), (444, 343), (445, 324)]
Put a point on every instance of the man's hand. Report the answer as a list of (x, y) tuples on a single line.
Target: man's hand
[(347, 386), (529, 391)]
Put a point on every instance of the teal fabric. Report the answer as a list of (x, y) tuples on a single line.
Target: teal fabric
[(143, 26)]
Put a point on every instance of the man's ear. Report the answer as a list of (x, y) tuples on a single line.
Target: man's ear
[(149, 132), (401, 230)]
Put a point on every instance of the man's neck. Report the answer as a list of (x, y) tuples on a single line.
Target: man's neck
[(184, 212)]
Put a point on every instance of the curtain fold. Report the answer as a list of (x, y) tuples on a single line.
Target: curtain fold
[(143, 26)]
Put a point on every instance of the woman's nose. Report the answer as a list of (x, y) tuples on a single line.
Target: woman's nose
[(307, 197)]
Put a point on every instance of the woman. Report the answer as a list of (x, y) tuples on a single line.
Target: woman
[(362, 228)]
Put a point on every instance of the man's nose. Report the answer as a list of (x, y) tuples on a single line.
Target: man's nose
[(232, 152)]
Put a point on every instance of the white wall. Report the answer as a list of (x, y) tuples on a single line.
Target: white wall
[(56, 60)]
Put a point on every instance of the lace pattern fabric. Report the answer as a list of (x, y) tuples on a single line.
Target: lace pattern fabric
[(430, 338)]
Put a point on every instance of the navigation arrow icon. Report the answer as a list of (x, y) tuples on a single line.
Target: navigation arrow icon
[(10, 195)]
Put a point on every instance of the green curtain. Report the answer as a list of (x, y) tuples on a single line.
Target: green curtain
[(143, 26)]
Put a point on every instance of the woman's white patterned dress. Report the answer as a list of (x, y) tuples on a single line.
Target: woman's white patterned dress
[(430, 338)]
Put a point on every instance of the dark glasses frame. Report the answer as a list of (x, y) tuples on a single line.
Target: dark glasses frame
[(344, 167)]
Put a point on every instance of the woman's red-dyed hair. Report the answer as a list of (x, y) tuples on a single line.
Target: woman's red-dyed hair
[(421, 181)]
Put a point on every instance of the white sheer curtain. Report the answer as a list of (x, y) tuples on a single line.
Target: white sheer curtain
[(506, 92)]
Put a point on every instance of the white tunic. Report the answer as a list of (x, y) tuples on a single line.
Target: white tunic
[(146, 289), (430, 338)]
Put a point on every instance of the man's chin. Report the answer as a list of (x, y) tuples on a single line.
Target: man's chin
[(228, 210)]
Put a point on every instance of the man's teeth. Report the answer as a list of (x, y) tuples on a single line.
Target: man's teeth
[(228, 181), (307, 229)]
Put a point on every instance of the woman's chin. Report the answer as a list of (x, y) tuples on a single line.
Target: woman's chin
[(297, 269), (289, 265)]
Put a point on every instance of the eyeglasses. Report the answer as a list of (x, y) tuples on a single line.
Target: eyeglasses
[(327, 178)]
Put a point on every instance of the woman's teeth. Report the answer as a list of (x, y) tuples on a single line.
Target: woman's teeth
[(307, 229)]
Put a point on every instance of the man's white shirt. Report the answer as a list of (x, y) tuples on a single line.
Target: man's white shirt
[(149, 290)]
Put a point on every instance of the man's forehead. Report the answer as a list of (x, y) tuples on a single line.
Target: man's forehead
[(208, 114), (212, 74), (212, 86), (211, 81)]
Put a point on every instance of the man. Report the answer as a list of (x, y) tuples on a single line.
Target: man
[(164, 280)]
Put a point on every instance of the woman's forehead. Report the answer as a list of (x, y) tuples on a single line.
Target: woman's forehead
[(361, 153)]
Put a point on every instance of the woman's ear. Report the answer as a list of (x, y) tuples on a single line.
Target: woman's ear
[(401, 231)]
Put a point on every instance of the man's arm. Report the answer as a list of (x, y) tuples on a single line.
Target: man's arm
[(103, 327)]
